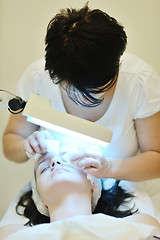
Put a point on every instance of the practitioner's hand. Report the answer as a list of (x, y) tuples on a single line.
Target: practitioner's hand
[(92, 162), (36, 143)]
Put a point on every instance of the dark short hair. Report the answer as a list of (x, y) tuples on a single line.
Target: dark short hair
[(83, 48)]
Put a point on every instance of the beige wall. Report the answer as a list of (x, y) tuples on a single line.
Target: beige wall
[(22, 30)]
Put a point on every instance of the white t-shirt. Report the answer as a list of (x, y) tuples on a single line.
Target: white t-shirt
[(137, 95)]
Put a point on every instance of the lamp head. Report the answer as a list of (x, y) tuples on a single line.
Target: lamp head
[(71, 129)]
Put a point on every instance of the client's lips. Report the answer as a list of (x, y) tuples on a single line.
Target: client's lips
[(58, 169)]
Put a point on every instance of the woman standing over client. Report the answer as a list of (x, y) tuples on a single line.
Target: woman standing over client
[(87, 74)]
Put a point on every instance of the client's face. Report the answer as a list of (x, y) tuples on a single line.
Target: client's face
[(56, 177)]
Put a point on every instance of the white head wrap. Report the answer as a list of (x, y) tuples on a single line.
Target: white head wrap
[(36, 198), (38, 202)]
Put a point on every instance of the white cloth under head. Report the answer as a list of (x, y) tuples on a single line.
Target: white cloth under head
[(43, 209)]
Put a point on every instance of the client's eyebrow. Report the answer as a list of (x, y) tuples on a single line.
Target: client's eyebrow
[(40, 162)]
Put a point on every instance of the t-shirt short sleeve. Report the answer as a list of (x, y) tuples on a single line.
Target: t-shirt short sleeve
[(146, 93), (30, 80)]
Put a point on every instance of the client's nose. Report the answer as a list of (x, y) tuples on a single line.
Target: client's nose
[(55, 162)]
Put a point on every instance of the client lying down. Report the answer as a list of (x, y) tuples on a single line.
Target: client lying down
[(61, 191)]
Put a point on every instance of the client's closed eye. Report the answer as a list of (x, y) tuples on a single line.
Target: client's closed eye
[(45, 169)]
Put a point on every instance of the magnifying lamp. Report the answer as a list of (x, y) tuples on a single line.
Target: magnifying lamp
[(67, 128), (40, 111)]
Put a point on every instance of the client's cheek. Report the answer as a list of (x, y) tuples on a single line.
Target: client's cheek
[(41, 186), (42, 193)]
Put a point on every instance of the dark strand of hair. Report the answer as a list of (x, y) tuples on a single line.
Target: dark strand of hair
[(26, 207), (112, 199)]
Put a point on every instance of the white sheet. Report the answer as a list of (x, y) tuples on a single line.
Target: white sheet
[(146, 203), (91, 227), (147, 196), (11, 217)]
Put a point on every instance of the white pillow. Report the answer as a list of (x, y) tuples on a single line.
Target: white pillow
[(11, 217)]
